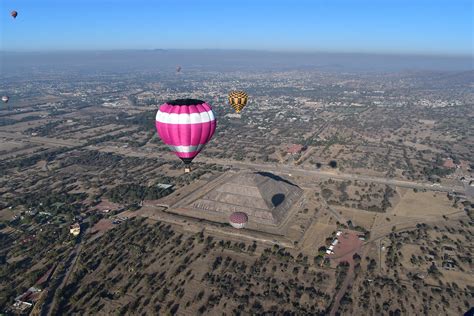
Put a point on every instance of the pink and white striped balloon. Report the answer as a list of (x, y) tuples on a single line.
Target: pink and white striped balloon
[(238, 219), (186, 126)]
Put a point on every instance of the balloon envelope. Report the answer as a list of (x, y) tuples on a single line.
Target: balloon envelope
[(186, 126), (14, 14), (5, 99), (238, 219), (238, 100)]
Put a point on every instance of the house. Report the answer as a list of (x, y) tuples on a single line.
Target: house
[(21, 307), (449, 265), (429, 257), (295, 149), (26, 300), (449, 163), (164, 186)]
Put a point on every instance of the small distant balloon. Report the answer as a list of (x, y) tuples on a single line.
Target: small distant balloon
[(5, 99), (238, 220), (14, 14), (178, 69)]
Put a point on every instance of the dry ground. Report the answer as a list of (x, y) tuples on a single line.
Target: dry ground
[(422, 204)]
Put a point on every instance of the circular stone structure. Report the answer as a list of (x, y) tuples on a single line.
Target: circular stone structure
[(238, 219)]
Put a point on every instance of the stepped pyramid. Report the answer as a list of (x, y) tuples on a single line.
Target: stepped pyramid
[(265, 197)]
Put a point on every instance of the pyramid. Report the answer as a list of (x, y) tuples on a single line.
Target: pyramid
[(266, 198)]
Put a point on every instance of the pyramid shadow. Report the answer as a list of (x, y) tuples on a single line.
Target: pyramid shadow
[(277, 199), (274, 177)]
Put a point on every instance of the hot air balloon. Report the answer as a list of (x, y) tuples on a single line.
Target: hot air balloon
[(5, 99), (14, 14), (178, 69), (238, 219), (186, 126), (238, 100)]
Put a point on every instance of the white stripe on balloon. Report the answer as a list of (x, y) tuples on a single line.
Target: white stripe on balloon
[(186, 149), (185, 118)]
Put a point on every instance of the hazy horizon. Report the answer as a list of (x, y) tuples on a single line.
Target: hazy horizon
[(276, 51), (224, 60)]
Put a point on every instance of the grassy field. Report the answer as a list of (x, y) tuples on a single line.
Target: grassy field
[(423, 204)]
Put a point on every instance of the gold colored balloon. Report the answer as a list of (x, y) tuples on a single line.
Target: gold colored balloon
[(238, 100)]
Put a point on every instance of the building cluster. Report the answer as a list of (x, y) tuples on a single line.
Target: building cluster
[(24, 302), (330, 249), (295, 149), (448, 254)]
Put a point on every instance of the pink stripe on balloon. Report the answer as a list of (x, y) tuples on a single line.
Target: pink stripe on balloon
[(185, 131), (195, 109), (165, 108), (189, 108), (186, 134), (175, 109), (206, 107), (204, 128), (213, 129), (163, 132)]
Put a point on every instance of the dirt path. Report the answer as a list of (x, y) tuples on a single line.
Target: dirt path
[(50, 308), (348, 280)]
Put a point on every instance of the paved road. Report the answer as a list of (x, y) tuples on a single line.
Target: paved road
[(469, 190), (271, 167), (49, 308), (286, 170), (300, 171), (42, 140)]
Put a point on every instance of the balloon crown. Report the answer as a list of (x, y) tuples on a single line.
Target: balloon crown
[(185, 102)]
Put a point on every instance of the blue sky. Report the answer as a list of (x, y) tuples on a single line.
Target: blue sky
[(379, 26)]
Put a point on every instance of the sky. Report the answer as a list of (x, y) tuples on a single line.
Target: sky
[(434, 27)]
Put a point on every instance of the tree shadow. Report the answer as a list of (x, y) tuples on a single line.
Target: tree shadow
[(277, 199)]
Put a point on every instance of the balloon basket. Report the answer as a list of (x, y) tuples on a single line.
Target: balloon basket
[(187, 169)]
